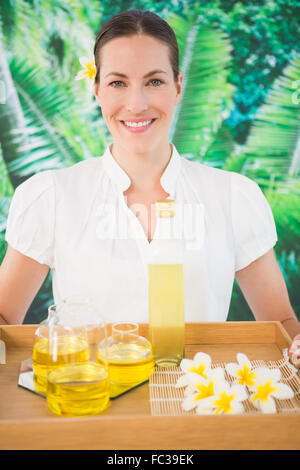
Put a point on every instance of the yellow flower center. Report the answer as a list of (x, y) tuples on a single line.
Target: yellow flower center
[(245, 376), (263, 391), (199, 370), (223, 404), (205, 391), (90, 70)]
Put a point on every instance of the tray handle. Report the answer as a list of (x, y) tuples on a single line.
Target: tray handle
[(2, 352)]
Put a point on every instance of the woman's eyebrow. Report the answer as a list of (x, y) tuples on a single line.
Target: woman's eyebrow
[(118, 74)]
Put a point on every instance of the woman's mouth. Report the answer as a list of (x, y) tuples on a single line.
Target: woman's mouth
[(136, 128)]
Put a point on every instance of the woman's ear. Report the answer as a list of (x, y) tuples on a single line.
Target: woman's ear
[(96, 92), (179, 88)]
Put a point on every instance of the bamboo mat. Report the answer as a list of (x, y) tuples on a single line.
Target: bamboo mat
[(166, 399)]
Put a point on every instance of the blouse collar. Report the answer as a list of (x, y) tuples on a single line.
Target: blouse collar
[(122, 180)]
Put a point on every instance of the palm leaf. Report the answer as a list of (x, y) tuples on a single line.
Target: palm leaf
[(59, 132), (52, 34), (290, 268), (206, 95), (86, 133), (221, 148), (41, 100), (284, 199), (6, 192), (274, 139)]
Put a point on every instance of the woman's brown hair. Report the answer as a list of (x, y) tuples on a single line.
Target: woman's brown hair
[(131, 22)]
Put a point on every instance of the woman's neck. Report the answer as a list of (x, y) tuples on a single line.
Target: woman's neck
[(144, 170)]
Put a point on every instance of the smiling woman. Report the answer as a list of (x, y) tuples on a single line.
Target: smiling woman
[(93, 223), (141, 103)]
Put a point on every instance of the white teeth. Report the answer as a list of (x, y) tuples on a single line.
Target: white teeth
[(137, 124)]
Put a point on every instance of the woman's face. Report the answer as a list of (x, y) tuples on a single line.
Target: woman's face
[(135, 96)]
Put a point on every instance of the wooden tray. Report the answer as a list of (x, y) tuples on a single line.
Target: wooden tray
[(26, 422)]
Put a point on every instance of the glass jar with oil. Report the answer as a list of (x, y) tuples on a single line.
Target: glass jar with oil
[(129, 356), (166, 289), (65, 356), (69, 349)]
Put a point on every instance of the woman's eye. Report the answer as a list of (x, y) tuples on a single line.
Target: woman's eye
[(117, 81), (156, 80), (113, 84)]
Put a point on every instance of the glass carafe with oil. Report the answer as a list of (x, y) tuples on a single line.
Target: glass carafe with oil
[(76, 384), (166, 289), (129, 356), (41, 358)]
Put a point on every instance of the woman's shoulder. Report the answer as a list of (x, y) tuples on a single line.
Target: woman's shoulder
[(207, 174), (45, 184), (81, 169), (46, 178), (38, 185), (81, 176), (207, 178)]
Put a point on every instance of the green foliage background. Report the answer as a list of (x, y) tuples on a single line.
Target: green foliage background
[(240, 106)]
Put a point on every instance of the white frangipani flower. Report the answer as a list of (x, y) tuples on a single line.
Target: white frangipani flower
[(89, 70), (199, 365), (267, 387), (199, 388), (242, 371), (227, 400)]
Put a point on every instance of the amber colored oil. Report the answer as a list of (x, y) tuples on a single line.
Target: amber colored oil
[(129, 364), (166, 313), (69, 349), (78, 390)]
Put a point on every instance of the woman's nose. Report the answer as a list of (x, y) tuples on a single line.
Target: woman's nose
[(136, 100)]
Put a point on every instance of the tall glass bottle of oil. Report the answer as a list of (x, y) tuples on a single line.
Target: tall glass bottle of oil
[(166, 288)]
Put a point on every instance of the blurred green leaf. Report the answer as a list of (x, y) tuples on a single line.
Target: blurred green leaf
[(206, 94), (274, 139)]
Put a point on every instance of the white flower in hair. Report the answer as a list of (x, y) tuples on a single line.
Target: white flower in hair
[(89, 70)]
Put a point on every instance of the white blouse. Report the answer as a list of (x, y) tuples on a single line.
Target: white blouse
[(76, 221)]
